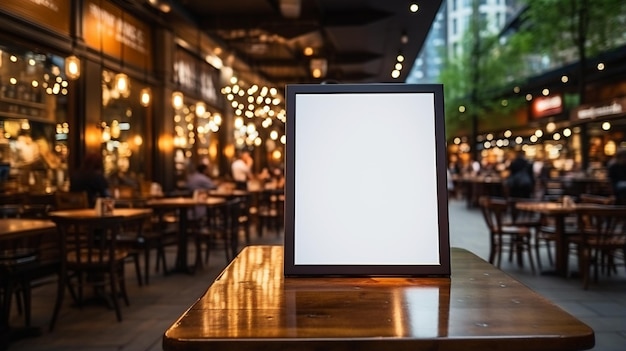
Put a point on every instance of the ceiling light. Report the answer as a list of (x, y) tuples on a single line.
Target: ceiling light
[(413, 7), (404, 38), (308, 51)]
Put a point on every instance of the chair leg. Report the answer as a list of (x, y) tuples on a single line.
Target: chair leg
[(146, 262), (138, 269), (113, 280), (26, 293), (583, 265), (537, 253), (59, 300)]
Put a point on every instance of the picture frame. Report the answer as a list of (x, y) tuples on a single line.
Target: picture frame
[(366, 181)]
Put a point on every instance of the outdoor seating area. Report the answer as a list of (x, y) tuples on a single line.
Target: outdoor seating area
[(93, 254)]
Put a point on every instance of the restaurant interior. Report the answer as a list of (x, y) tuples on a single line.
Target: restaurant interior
[(158, 87)]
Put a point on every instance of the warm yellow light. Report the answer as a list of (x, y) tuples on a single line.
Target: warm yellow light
[(72, 67), (177, 100), (145, 96), (316, 73), (276, 154), (138, 140), (122, 84), (308, 51), (200, 108)]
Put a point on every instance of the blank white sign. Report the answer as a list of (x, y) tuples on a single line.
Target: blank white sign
[(365, 180)]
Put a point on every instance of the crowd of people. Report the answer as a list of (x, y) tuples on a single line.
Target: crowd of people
[(525, 178), (89, 177)]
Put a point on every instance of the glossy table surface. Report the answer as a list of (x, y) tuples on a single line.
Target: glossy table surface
[(10, 227), (90, 213), (252, 306), (182, 202)]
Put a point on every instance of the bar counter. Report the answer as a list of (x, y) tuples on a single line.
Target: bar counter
[(252, 306)]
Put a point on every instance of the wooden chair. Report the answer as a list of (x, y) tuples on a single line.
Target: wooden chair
[(546, 232), (270, 210), (69, 200), (601, 234), (222, 228), (503, 233), (596, 199), (91, 256), (25, 263)]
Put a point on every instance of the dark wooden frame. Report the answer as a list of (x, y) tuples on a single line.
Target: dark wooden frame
[(374, 269)]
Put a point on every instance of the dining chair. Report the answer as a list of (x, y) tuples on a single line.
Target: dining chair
[(91, 256), (546, 232), (270, 211), (503, 233), (70, 200), (25, 264), (601, 235), (29, 262), (222, 229)]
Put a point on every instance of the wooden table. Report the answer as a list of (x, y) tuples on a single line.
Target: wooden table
[(15, 228), (252, 306), (558, 212), (229, 194), (12, 230), (182, 205)]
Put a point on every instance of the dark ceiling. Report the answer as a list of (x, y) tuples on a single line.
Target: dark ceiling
[(358, 39)]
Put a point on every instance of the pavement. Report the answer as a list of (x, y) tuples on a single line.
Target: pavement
[(153, 308)]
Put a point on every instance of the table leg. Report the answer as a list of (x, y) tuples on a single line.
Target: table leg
[(181, 255), (561, 250)]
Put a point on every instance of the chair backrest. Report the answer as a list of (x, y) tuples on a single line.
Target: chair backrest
[(494, 211), (604, 226), (596, 199), (70, 200), (10, 211), (89, 243)]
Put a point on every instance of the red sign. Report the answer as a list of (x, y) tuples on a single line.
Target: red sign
[(545, 106)]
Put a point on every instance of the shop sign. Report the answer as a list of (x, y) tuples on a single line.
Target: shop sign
[(116, 33), (195, 76), (54, 14), (209, 79), (615, 107), (185, 71), (545, 106)]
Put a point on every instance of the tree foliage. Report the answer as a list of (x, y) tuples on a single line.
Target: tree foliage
[(554, 33)]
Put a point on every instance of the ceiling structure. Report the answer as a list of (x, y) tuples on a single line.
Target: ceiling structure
[(349, 41)]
